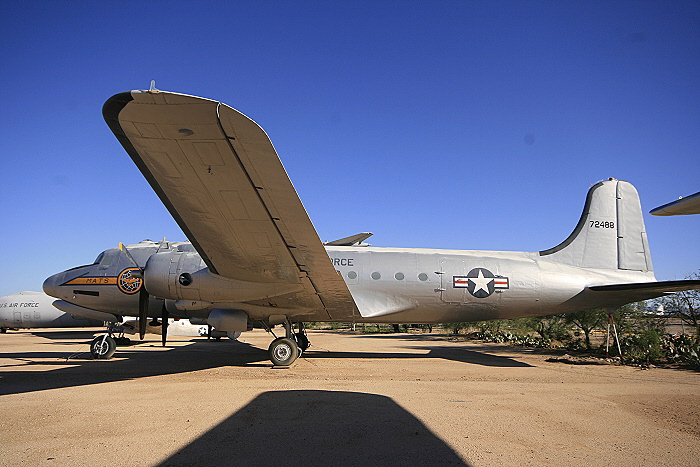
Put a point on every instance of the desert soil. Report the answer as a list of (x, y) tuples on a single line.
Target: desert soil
[(389, 399)]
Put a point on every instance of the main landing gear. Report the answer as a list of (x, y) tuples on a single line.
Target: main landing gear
[(284, 351)]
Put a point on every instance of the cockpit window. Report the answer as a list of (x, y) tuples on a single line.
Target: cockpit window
[(99, 258)]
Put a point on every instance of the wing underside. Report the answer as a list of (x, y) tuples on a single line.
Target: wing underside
[(218, 174)]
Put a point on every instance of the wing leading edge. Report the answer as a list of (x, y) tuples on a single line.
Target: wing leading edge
[(218, 174)]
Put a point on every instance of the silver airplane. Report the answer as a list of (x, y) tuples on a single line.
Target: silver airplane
[(254, 258), (36, 310)]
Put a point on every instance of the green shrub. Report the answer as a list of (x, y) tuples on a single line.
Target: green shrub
[(681, 349), (643, 346)]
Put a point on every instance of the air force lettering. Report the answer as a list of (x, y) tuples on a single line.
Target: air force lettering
[(480, 282)]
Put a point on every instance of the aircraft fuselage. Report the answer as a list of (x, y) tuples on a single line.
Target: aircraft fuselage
[(392, 285), (36, 310)]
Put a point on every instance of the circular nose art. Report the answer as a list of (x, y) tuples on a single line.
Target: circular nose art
[(127, 283)]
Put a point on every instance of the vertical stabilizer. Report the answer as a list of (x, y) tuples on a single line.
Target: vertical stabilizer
[(610, 233)]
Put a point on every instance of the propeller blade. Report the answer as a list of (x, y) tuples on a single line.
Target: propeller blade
[(128, 254), (143, 311), (164, 328)]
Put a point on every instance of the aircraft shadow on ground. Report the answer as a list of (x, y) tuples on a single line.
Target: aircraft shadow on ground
[(457, 354), (422, 337), (318, 428), (140, 362), (129, 363)]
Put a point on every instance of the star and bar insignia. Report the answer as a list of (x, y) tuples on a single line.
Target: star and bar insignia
[(480, 282)]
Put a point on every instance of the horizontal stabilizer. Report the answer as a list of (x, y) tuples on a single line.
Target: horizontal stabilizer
[(638, 291), (352, 240)]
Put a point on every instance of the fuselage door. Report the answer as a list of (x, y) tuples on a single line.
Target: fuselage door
[(449, 269), (17, 318)]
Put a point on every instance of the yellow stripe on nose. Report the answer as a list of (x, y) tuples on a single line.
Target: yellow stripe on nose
[(93, 281)]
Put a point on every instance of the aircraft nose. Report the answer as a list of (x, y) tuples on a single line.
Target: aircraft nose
[(51, 285)]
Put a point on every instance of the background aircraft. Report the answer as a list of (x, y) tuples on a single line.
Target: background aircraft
[(35, 310), (176, 327), (682, 206), (255, 260)]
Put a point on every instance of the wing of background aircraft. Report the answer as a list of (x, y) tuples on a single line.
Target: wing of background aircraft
[(218, 174), (680, 207), (352, 240)]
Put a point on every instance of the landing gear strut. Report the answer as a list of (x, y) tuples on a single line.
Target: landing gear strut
[(284, 351), (301, 338)]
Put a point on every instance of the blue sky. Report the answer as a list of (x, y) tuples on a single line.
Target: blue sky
[(454, 124)]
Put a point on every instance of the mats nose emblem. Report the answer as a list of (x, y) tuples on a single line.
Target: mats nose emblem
[(128, 283)]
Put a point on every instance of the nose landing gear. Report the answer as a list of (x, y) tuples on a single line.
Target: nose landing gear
[(103, 347)]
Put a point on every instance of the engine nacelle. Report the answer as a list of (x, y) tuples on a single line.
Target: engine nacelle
[(182, 275)]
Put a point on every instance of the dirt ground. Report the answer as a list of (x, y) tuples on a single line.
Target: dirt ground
[(389, 399)]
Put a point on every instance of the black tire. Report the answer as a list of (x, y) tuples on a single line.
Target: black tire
[(122, 341), (302, 341), (283, 351), (102, 347)]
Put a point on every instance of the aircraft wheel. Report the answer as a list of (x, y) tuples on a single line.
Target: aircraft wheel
[(283, 351), (233, 335), (102, 348), (302, 341), (3, 330)]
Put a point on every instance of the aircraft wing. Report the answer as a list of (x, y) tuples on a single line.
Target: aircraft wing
[(644, 290), (352, 240), (218, 174), (680, 207)]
